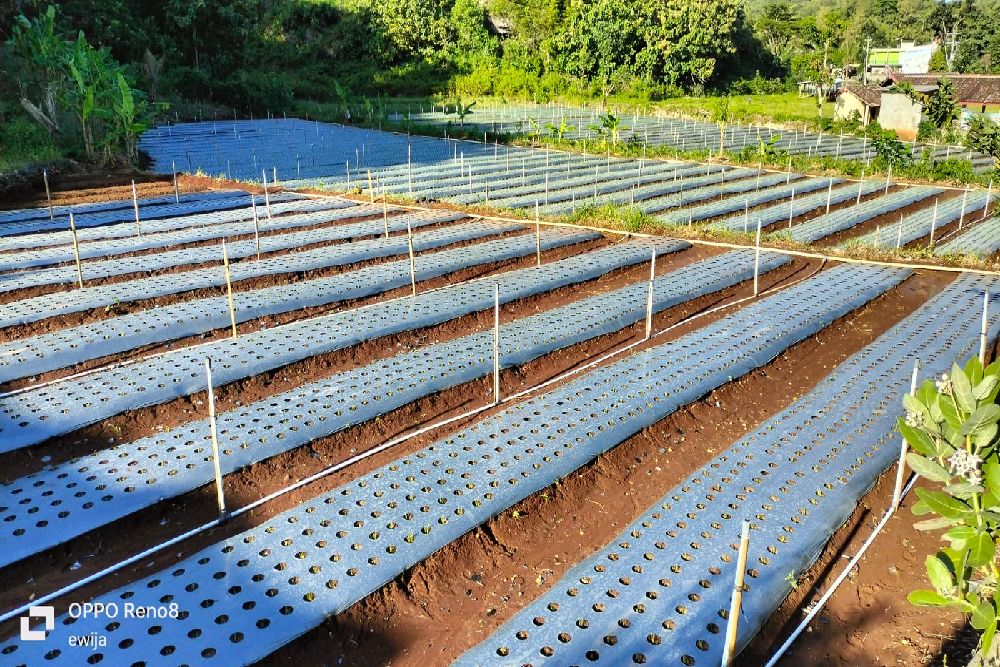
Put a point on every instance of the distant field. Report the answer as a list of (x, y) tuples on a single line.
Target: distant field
[(781, 108)]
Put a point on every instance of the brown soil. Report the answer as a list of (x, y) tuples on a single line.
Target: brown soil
[(461, 594), (29, 292), (147, 421), (881, 220), (105, 546)]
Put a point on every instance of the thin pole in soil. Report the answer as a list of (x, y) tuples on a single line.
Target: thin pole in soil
[(788, 173), (756, 262), (267, 196), (897, 492), (989, 193), (213, 428), (413, 270), (736, 601), (371, 190), (933, 224), (888, 176), (791, 208), (76, 251), (861, 184), (496, 343), (961, 217), (538, 236), (649, 296), (177, 190), (229, 288), (256, 228), (48, 195), (982, 331), (385, 212), (409, 169), (899, 232), (135, 207), (829, 195)]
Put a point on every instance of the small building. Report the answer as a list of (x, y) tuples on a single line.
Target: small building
[(908, 58), (975, 93), (900, 113), (853, 98)]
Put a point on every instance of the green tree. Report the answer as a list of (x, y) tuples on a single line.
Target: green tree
[(940, 106)]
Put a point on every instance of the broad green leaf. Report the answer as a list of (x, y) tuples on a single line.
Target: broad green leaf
[(951, 416), (985, 388), (989, 634), (963, 488), (934, 406), (960, 535), (983, 416), (943, 504), (919, 508), (926, 598), (939, 575), (991, 474), (915, 405), (927, 468), (984, 435), (974, 370), (917, 438), (983, 616), (962, 389), (981, 550), (934, 524)]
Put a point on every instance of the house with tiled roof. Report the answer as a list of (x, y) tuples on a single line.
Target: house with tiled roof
[(976, 93)]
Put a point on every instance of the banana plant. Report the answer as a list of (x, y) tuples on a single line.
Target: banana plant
[(461, 110), (560, 130)]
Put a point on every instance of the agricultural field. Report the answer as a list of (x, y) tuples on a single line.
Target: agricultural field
[(332, 395)]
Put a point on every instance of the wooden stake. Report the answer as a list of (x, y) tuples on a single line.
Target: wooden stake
[(961, 217), (888, 176), (76, 251), (256, 227), (989, 192), (267, 196), (496, 344), (371, 190), (829, 195), (933, 223), (413, 270), (229, 288), (385, 215), (899, 232), (649, 296), (48, 195), (860, 185), (177, 190), (901, 466), (538, 236), (756, 262), (791, 209), (213, 429), (736, 602), (135, 207), (982, 331)]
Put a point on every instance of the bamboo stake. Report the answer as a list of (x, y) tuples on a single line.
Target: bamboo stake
[(982, 331), (756, 262), (961, 217), (213, 429), (888, 176), (413, 270), (267, 196), (860, 186), (385, 215), (135, 207), (829, 195), (736, 602), (989, 193), (649, 296), (48, 195), (933, 223), (256, 228), (229, 288), (899, 232), (538, 236), (791, 209), (496, 344), (901, 466), (76, 251), (371, 190), (177, 190)]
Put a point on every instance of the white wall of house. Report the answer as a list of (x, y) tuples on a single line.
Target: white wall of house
[(900, 113)]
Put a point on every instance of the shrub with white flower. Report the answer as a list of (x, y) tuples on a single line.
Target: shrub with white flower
[(951, 428)]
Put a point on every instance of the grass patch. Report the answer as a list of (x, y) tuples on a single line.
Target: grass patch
[(24, 143), (778, 108)]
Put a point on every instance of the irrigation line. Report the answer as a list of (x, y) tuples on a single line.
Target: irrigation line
[(357, 458), (130, 362), (712, 244), (819, 604)]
